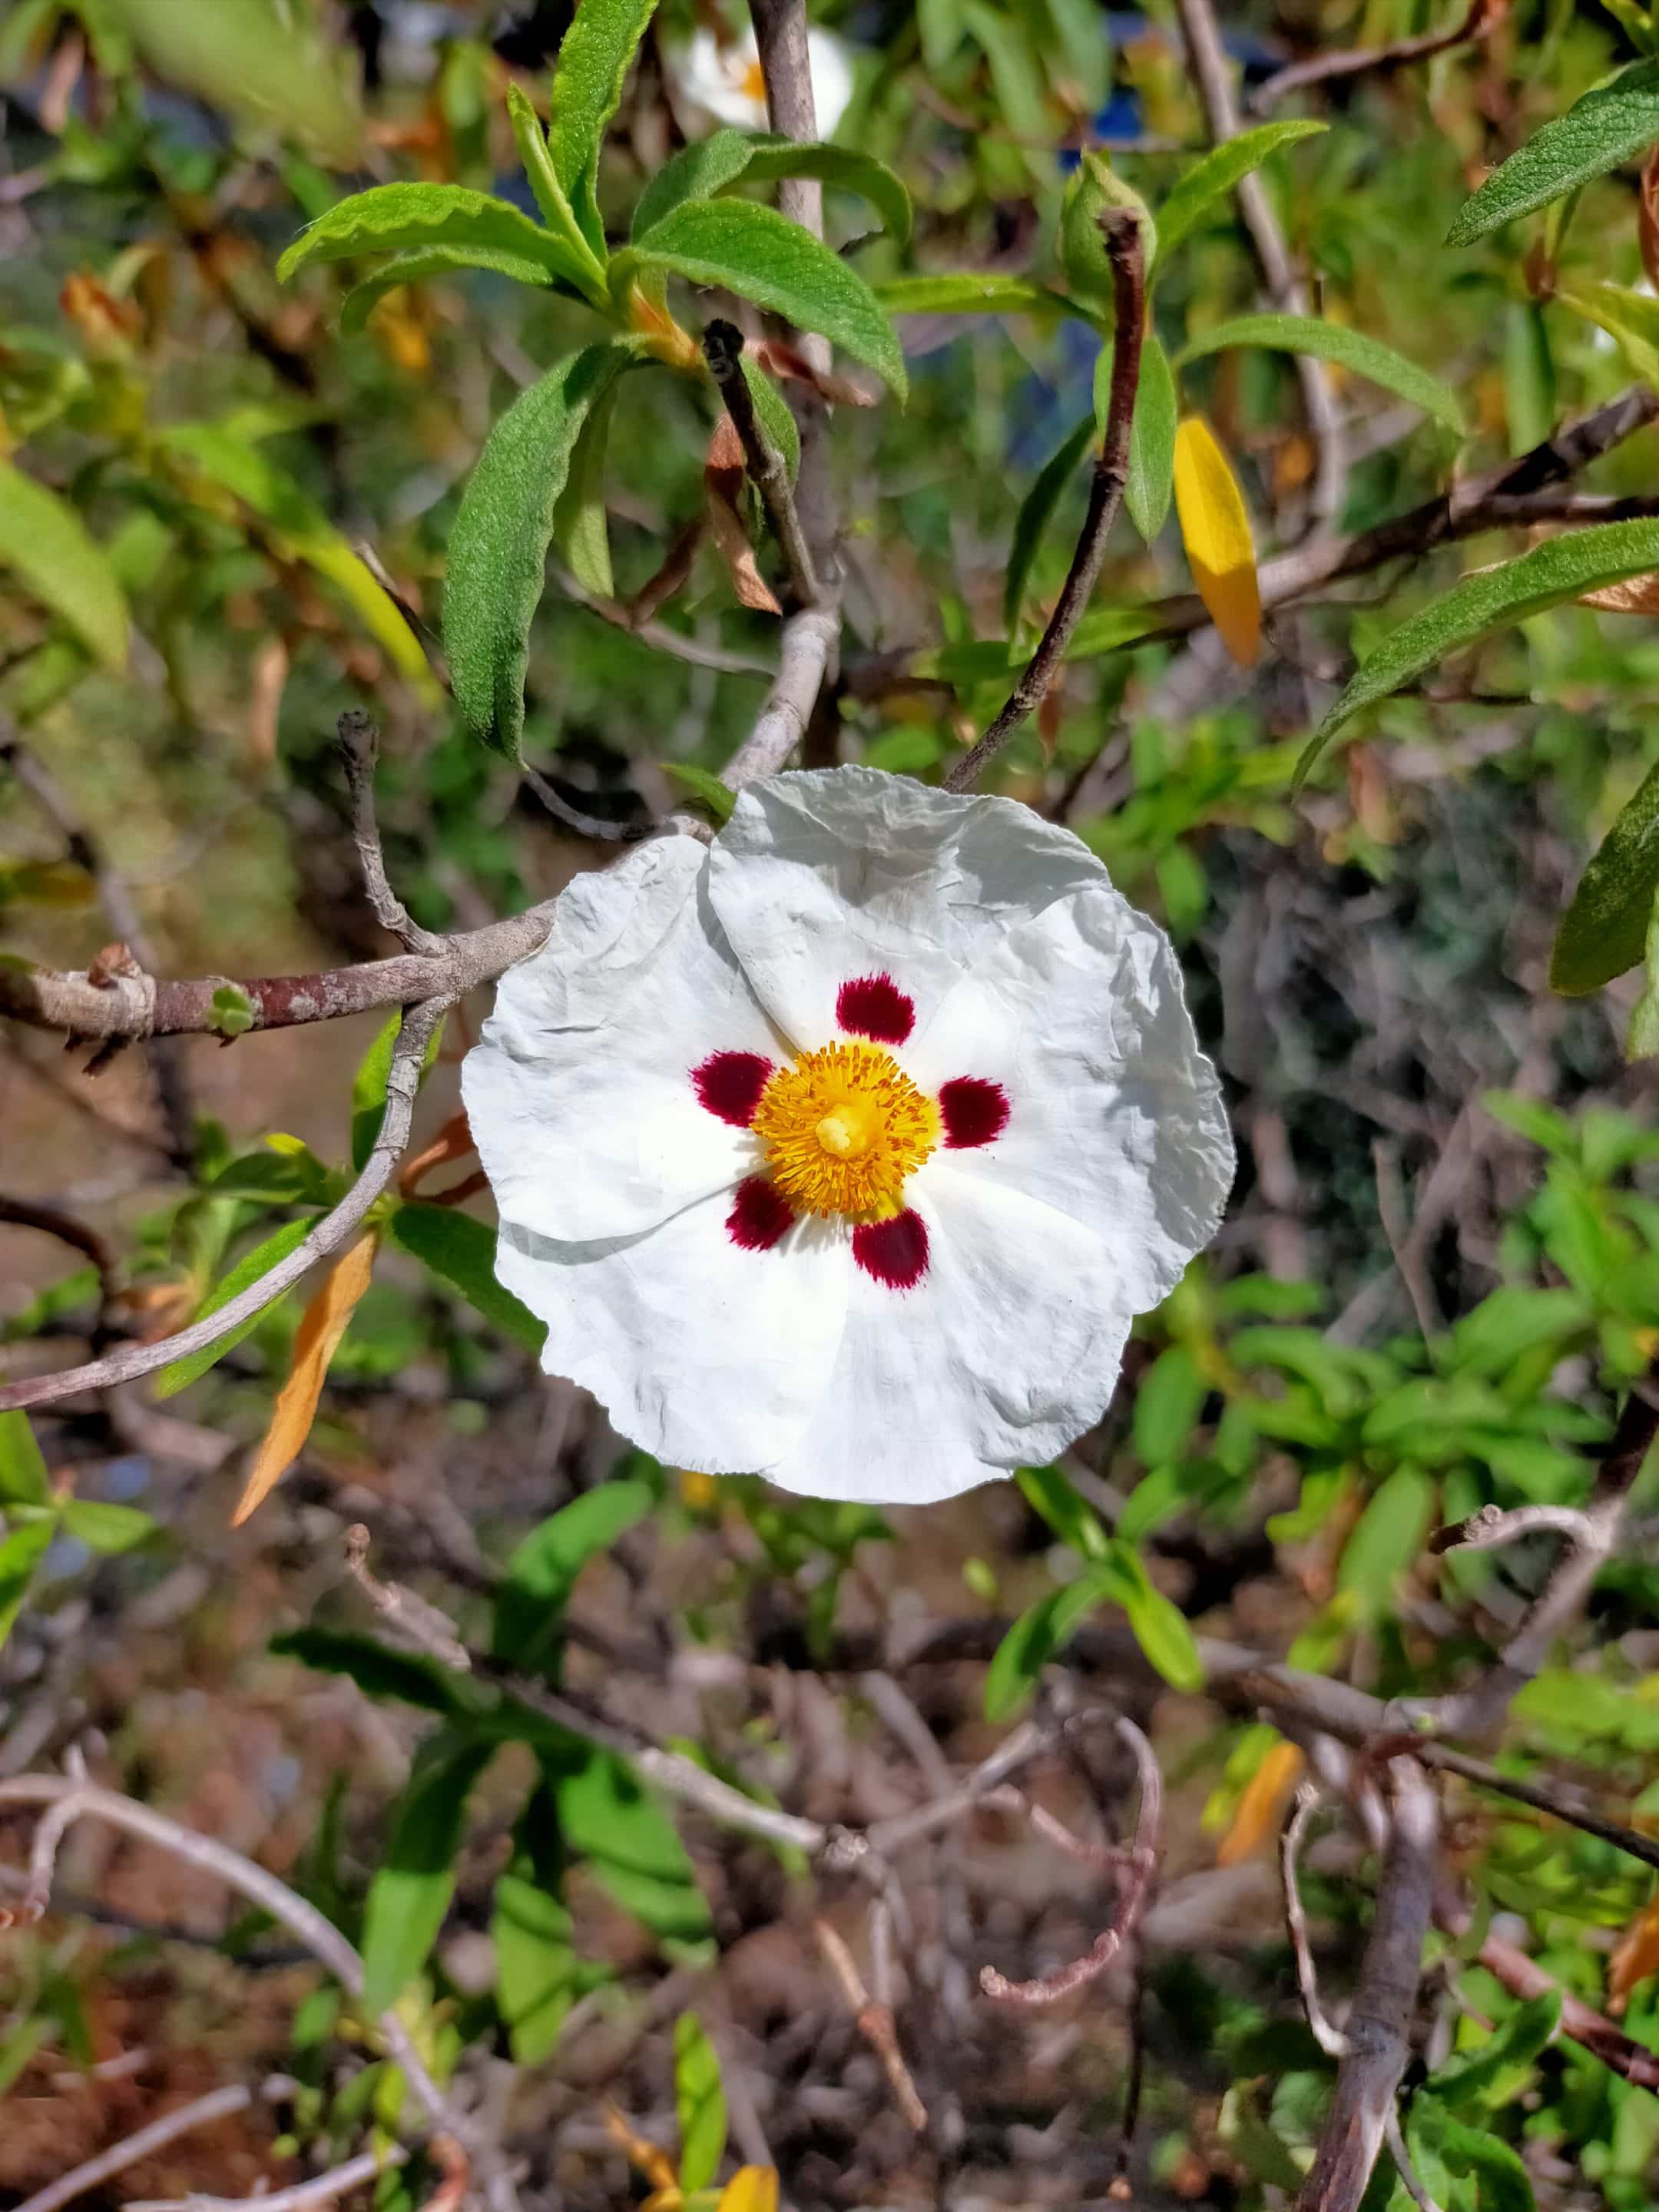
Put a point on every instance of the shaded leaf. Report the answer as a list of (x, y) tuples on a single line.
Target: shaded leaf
[(772, 410), (1494, 599), (498, 546), (1631, 319), (316, 1341), (633, 1847), (756, 253), (1310, 334), (1151, 480), (1215, 528), (47, 547), (699, 2103), (542, 1571), (23, 1478), (580, 527), (1217, 173), (1035, 512), (1387, 1539), (247, 1271), (727, 158), (104, 1528), (21, 1553), (1031, 1642), (704, 785), (595, 56), (377, 1670), (413, 267), (1604, 930), (463, 1251), (1606, 127), (410, 1893), (1047, 1492)]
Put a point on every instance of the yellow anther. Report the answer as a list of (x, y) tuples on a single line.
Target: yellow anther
[(843, 1127)]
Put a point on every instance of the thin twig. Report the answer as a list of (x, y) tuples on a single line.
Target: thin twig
[(321, 2189), (874, 2023), (1126, 255), (1480, 21), (359, 745), (218, 2104), (1213, 72), (1329, 2038), (1409, 2179), (585, 825), (722, 349), (1493, 1525), (402, 1611), (1524, 1978), (52, 1221)]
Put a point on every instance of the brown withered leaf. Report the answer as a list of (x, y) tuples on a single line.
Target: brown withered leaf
[(786, 360), (1260, 1807), (1647, 220), (315, 1343), (1635, 595), (722, 477), (1636, 1958), (657, 590)]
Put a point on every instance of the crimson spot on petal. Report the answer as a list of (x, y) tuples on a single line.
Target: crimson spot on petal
[(973, 1111), (730, 1085), (760, 1215), (874, 1006), (895, 1252)]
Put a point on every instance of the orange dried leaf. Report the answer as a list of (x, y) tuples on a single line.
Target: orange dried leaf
[(1647, 220), (1635, 595), (651, 2159), (1215, 528), (1636, 1958), (722, 477), (751, 2189), (1263, 1801), (315, 1343)]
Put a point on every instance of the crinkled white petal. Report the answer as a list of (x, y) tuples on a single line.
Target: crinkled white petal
[(710, 1357), (831, 873), (1116, 1116), (1002, 1355), (580, 1092), (713, 80)]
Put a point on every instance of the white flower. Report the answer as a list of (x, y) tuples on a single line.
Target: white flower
[(844, 1151), (711, 81)]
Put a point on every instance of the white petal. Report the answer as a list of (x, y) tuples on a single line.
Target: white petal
[(1116, 1116), (830, 62), (831, 873), (1004, 1353), (709, 1357), (580, 1092)]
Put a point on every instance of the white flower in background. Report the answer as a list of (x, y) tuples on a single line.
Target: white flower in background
[(844, 1151), (711, 81)]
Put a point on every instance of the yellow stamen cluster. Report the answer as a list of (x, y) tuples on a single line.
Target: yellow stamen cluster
[(842, 1128)]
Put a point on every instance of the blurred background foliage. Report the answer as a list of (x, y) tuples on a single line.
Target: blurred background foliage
[(222, 522)]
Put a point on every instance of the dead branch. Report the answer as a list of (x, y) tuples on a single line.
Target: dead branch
[(874, 2022), (53, 1221), (1329, 2038), (321, 2189), (218, 2104), (1478, 22), (1493, 1526), (359, 745)]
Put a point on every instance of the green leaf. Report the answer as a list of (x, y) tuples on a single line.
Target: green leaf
[(967, 292), (104, 1527), (703, 784), (699, 2103), (1031, 1642), (23, 1477), (1496, 599), (368, 1090), (550, 194), (463, 1251), (595, 56), (1152, 437), (261, 1260), (728, 158), (1081, 55), (1159, 1625), (410, 1891), (302, 532), (1168, 1402), (47, 547), (1642, 1037), (1387, 1539), (432, 261), (580, 527), (498, 546), (1604, 930), (1217, 173), (378, 1671), (270, 65), (21, 1553), (756, 253), (1309, 334), (230, 1011), (773, 409), (1095, 190), (1479, 2077), (1036, 512), (1010, 46), (1632, 318), (632, 1845), (393, 217), (1049, 1493), (1609, 125), (538, 1976), (1441, 2147), (542, 1572)]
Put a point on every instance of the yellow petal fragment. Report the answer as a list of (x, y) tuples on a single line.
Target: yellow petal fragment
[(1215, 528), (315, 1343), (1260, 1807), (751, 2189)]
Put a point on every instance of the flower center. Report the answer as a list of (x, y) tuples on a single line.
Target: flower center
[(842, 1128)]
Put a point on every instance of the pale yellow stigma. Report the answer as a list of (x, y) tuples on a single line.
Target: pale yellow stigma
[(843, 1127)]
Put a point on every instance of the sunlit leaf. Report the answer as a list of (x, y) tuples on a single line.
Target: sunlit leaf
[(1610, 123), (1310, 334), (595, 56), (462, 1250), (50, 550), (259, 1261), (1215, 528), (410, 1891), (390, 218), (23, 1478), (1217, 173), (315, 1343), (699, 2103)]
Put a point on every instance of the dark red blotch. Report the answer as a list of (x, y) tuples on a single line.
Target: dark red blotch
[(730, 1085), (760, 1215), (894, 1252), (874, 1006), (973, 1111)]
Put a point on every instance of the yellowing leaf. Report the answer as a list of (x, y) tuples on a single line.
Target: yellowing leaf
[(1636, 1958), (1260, 1807), (315, 1343), (1215, 529), (751, 2189), (649, 2159)]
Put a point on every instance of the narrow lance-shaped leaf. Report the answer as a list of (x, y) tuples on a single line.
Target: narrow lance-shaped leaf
[(24, 1478), (462, 1250), (758, 254), (389, 217), (246, 1272), (699, 2103), (1609, 125), (580, 526), (498, 547), (1605, 930), (1150, 479), (1036, 512), (1631, 319), (414, 268), (1218, 173), (48, 548), (969, 292), (594, 58), (1495, 599), (773, 409), (542, 1569), (1215, 528), (410, 1893), (728, 158), (1309, 334), (317, 1340), (549, 188)]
